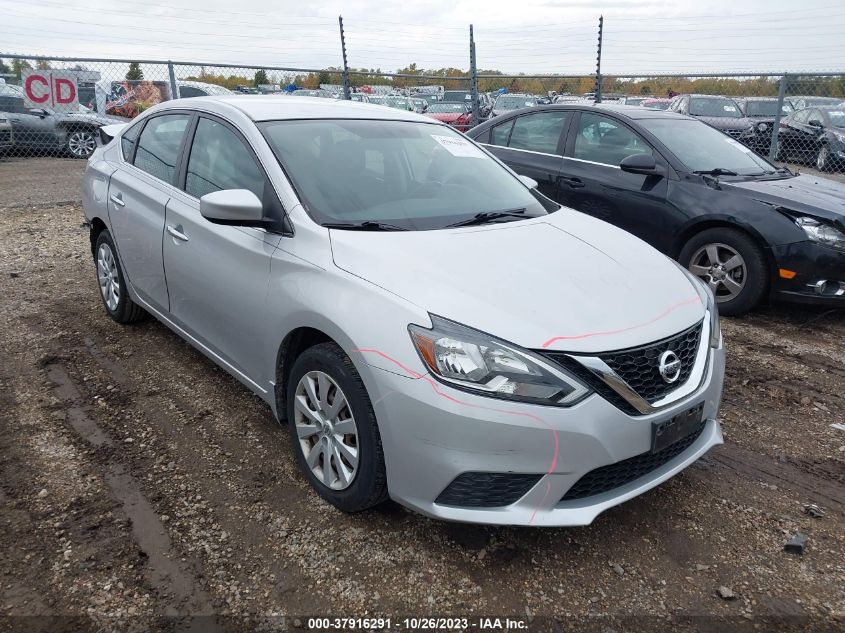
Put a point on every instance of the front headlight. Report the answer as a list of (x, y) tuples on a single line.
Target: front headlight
[(822, 233), (477, 362), (762, 127)]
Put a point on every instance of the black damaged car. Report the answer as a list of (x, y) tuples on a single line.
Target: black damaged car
[(751, 230)]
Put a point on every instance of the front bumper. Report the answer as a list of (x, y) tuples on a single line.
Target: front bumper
[(811, 263), (432, 433)]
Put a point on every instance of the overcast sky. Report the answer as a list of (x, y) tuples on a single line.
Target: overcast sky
[(530, 36)]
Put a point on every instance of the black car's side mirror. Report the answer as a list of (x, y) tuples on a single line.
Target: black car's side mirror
[(642, 164), (39, 112)]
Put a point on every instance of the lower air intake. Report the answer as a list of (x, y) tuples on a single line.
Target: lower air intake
[(486, 490)]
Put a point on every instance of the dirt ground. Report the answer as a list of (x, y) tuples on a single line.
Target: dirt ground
[(140, 485)]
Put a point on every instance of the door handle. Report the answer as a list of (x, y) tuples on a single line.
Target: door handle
[(176, 232), (117, 200), (574, 183)]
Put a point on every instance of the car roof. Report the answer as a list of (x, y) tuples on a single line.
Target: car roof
[(621, 110), (276, 107)]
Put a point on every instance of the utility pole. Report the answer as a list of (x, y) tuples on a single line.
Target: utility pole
[(473, 80), (598, 62), (346, 94)]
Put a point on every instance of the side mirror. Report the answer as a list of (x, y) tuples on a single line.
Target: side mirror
[(528, 182), (815, 123), (39, 112), (232, 206), (641, 164)]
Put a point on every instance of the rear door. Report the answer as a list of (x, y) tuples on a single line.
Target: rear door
[(138, 193), (592, 181), (218, 275), (532, 145)]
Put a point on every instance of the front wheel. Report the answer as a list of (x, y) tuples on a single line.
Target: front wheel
[(333, 429), (823, 158), (81, 143), (731, 264)]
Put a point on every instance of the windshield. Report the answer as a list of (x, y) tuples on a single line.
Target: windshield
[(715, 107), (836, 116), (702, 148), (447, 107), (412, 175), (765, 108), (457, 95), (653, 104), (400, 103), (514, 102)]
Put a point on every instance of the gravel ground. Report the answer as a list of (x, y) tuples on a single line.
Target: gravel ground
[(139, 484)]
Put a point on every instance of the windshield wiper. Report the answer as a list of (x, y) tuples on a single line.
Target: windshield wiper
[(718, 171), (488, 216), (368, 225)]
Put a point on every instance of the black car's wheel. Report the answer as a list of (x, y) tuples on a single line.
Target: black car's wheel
[(732, 264), (81, 143), (334, 431), (823, 158), (111, 281)]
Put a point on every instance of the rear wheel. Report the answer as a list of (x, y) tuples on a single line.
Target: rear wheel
[(333, 429), (731, 264), (111, 281)]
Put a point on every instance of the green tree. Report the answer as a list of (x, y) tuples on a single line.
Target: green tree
[(42, 64), (134, 73), (18, 65), (260, 78), (4, 69)]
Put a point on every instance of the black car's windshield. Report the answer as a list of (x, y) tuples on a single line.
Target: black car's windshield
[(514, 102), (715, 107), (766, 108), (704, 149), (407, 174), (836, 116)]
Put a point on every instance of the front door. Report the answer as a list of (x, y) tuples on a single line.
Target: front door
[(592, 181), (217, 275)]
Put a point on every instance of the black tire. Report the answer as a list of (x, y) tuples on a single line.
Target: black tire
[(126, 311), (823, 158), (757, 269), (369, 484)]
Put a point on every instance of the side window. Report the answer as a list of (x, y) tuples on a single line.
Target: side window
[(189, 91), (220, 160), (158, 147), (501, 133), (802, 116), (603, 140), (12, 104), (129, 139), (539, 132)]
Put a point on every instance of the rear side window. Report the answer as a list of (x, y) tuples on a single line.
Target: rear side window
[(190, 91), (158, 147), (538, 132), (129, 139), (220, 160)]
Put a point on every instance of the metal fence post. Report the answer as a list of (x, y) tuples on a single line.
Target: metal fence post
[(598, 62), (346, 94), (174, 87), (473, 80), (773, 145)]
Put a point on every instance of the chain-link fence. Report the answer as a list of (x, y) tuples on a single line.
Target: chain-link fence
[(56, 106)]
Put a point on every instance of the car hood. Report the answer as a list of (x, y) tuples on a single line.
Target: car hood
[(726, 123), (563, 282), (808, 194)]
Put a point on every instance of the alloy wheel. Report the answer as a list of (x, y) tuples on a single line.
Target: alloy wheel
[(822, 158), (325, 426), (108, 277), (81, 143), (722, 268)]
